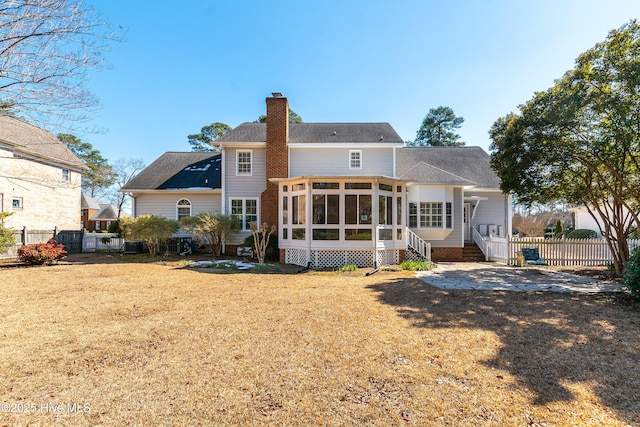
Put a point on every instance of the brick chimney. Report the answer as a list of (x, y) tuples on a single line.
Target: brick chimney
[(277, 155)]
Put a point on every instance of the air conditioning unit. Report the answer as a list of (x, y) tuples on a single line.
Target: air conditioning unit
[(492, 230), (482, 229), (501, 231)]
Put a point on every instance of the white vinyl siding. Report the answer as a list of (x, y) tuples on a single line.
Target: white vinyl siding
[(491, 211), (336, 162), (240, 187), (165, 204)]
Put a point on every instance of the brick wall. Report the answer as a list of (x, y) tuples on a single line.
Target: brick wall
[(446, 254), (277, 155)]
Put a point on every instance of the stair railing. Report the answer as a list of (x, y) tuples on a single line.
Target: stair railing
[(418, 244)]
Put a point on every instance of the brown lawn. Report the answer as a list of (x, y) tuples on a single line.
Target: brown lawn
[(152, 344)]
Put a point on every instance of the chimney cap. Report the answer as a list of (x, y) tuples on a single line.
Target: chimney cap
[(277, 94)]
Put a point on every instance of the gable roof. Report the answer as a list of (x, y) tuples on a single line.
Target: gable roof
[(304, 133), (180, 170), (106, 213), (37, 142), (88, 202), (468, 163), (426, 173)]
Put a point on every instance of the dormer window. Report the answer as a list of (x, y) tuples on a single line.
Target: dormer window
[(355, 159)]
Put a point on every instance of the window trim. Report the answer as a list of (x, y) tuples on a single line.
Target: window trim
[(178, 206), (352, 159), (249, 163), (416, 217), (66, 175)]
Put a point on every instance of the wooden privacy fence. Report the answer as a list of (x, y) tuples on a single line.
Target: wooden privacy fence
[(556, 252), (71, 239)]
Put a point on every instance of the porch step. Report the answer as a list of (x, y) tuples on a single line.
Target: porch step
[(472, 253)]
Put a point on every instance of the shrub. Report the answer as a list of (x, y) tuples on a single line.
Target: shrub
[(265, 268), (582, 233), (114, 227), (272, 252), (42, 253), (7, 238), (631, 278), (417, 265), (347, 267)]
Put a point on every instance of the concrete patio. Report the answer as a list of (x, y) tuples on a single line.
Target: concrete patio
[(488, 276)]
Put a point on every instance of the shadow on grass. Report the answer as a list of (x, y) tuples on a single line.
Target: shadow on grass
[(548, 339)]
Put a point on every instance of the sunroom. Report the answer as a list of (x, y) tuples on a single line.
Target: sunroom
[(335, 221)]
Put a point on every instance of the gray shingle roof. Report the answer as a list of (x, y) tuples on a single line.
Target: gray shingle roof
[(425, 173), (37, 142), (106, 213), (317, 132), (88, 202), (469, 163), (179, 170)]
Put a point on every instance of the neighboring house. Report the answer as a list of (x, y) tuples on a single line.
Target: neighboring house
[(583, 220), (340, 193), (97, 216), (40, 178)]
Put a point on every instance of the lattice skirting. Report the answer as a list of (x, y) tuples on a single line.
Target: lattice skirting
[(388, 257), (412, 255), (337, 258), (296, 257)]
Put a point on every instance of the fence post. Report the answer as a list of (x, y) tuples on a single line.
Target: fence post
[(564, 250)]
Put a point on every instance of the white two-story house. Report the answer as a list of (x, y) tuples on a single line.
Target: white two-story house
[(339, 193)]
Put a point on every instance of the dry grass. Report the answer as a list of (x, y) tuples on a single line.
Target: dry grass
[(152, 344)]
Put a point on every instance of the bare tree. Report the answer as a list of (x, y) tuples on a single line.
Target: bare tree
[(124, 170), (47, 48)]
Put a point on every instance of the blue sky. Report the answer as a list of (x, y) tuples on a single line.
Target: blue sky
[(187, 64)]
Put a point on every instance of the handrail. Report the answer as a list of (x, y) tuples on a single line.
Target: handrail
[(418, 244), (480, 242)]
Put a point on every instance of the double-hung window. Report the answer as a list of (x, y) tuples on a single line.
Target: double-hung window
[(246, 211), (243, 162), (355, 159)]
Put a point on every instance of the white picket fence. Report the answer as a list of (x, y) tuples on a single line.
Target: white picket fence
[(555, 252), (97, 242)]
